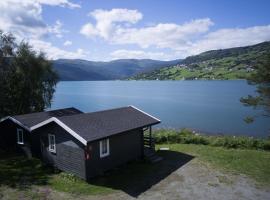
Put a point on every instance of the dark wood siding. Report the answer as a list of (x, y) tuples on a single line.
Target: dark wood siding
[(124, 147), (70, 153), (69, 156), (8, 138)]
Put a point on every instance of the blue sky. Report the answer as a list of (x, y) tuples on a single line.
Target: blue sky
[(109, 29)]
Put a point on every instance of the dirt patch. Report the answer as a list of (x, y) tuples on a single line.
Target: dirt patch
[(196, 180)]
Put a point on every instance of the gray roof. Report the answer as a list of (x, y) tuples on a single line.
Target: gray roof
[(90, 126), (32, 119), (97, 125)]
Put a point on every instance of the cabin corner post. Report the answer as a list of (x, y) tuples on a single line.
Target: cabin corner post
[(150, 131), (151, 138)]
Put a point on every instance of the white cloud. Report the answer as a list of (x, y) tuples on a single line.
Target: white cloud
[(89, 30), (228, 38), (185, 39), (67, 43), (24, 20), (53, 52), (63, 3), (163, 35), (111, 25), (57, 29), (107, 21), (138, 54)]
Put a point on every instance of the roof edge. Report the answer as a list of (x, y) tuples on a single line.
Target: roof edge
[(15, 121), (145, 113), (61, 124), (152, 124), (4, 118)]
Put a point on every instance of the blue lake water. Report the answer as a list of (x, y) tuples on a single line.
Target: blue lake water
[(208, 106)]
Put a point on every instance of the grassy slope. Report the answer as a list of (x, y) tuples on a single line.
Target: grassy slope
[(218, 64), (171, 73), (252, 163)]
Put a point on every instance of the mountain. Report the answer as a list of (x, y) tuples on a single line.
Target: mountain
[(233, 63), (82, 70)]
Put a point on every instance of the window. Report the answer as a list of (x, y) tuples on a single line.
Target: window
[(20, 136), (52, 146), (104, 148)]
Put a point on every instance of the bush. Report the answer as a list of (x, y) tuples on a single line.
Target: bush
[(68, 177), (186, 136)]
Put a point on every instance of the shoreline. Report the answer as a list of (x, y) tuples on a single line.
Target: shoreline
[(198, 79), (211, 133)]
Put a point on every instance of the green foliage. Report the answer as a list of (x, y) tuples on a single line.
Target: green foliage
[(185, 136), (27, 80), (83, 70), (249, 120), (67, 177), (262, 80), (238, 52), (235, 63)]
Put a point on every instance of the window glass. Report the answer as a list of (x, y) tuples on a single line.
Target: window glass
[(52, 146), (104, 148), (20, 136)]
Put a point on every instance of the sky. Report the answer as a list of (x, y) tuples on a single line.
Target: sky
[(103, 30)]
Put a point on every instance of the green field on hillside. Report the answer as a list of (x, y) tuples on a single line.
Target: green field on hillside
[(226, 64)]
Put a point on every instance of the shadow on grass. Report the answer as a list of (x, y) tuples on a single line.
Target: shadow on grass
[(19, 172), (133, 178), (137, 177)]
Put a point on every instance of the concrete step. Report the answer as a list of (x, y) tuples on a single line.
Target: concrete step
[(157, 159), (151, 156)]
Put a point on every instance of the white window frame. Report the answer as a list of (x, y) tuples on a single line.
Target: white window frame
[(20, 131), (102, 155), (51, 144)]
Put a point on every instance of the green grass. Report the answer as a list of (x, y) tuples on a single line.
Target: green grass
[(65, 182), (29, 178), (186, 136), (253, 163), (19, 172), (226, 64), (22, 174)]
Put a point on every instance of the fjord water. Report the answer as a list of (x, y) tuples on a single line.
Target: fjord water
[(212, 107)]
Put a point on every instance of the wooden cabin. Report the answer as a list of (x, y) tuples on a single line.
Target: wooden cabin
[(85, 144)]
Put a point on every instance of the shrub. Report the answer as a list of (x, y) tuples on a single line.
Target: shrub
[(186, 136), (68, 177)]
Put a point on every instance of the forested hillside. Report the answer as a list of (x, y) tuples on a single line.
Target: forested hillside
[(83, 70)]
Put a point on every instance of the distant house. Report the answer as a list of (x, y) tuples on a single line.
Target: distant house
[(249, 69), (85, 144)]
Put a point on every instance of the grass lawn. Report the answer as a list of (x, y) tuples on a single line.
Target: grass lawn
[(253, 163), (30, 179), (23, 174)]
